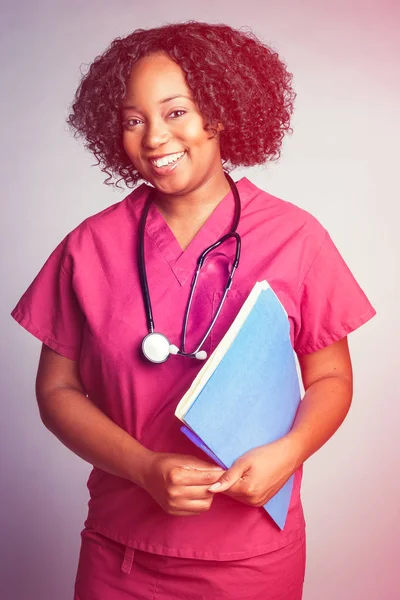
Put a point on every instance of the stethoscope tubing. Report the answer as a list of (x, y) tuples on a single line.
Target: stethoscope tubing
[(226, 290), (200, 261), (142, 266)]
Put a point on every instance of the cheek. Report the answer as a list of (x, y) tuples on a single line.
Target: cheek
[(203, 146), (195, 134), (131, 150), (130, 145)]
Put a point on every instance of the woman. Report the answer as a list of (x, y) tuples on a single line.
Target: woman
[(178, 107)]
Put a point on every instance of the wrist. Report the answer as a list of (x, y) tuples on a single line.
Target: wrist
[(294, 450), (142, 467)]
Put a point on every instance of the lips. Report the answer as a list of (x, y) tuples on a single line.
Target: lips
[(165, 169), (166, 159)]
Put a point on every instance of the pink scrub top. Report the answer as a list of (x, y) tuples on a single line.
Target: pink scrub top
[(86, 304)]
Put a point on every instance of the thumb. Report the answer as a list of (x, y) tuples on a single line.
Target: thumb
[(228, 479)]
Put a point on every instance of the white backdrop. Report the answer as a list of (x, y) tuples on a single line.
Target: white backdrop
[(341, 164)]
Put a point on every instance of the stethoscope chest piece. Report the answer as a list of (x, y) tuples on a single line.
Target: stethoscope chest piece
[(156, 347)]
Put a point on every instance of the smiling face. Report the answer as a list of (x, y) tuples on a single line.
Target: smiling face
[(163, 130)]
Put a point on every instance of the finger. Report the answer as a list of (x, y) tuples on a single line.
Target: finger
[(228, 479), (192, 492), (193, 462), (209, 468), (237, 488), (196, 477), (190, 506)]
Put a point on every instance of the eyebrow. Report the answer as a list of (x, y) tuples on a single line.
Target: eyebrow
[(163, 101)]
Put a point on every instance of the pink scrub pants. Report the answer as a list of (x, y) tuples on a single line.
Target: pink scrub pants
[(108, 570)]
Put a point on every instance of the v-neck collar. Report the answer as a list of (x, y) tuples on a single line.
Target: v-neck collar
[(183, 262)]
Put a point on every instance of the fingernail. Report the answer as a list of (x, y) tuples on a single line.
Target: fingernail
[(214, 486)]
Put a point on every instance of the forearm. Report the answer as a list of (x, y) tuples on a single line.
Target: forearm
[(257, 475), (90, 434), (321, 412)]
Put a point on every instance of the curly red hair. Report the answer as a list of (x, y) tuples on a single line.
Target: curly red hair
[(235, 79)]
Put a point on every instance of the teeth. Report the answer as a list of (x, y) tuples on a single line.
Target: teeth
[(167, 160)]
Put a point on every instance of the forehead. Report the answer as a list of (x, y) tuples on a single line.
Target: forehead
[(154, 77)]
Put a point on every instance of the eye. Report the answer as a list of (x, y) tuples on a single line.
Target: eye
[(131, 123), (177, 113)]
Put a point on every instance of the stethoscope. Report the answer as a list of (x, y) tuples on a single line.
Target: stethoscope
[(156, 346)]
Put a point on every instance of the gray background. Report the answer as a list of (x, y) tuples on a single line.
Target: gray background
[(341, 164)]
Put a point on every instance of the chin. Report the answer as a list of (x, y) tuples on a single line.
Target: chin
[(173, 188)]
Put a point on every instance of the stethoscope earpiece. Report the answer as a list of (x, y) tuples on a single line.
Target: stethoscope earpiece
[(155, 346)]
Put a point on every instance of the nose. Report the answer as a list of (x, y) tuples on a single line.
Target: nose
[(156, 134)]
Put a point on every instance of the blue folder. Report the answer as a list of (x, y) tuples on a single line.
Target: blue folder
[(252, 397)]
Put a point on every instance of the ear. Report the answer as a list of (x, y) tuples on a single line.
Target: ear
[(215, 129)]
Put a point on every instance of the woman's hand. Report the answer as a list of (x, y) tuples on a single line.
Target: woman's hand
[(257, 475), (179, 483)]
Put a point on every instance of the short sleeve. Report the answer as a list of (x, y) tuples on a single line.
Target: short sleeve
[(49, 309), (331, 303)]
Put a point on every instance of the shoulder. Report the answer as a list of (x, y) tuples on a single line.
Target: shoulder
[(281, 222), (105, 220), (106, 228)]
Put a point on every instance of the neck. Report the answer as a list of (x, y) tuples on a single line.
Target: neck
[(196, 205)]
